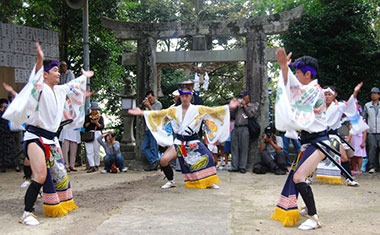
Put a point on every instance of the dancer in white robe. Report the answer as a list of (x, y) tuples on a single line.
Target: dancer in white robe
[(40, 105), (326, 171), (183, 122)]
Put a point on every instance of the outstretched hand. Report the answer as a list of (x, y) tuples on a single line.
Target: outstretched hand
[(357, 88), (40, 57), (88, 74), (88, 93), (40, 53), (9, 88), (283, 59), (136, 112), (234, 103)]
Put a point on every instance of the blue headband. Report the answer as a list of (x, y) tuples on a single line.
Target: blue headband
[(53, 64), (185, 92), (305, 68)]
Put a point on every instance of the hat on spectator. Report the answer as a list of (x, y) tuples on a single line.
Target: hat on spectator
[(175, 93), (187, 82), (95, 105), (375, 90), (244, 93)]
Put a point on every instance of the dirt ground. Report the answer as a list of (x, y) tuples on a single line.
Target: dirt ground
[(133, 203)]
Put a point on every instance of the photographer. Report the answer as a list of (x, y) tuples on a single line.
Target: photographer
[(240, 133), (271, 152), (113, 155), (149, 146), (93, 122)]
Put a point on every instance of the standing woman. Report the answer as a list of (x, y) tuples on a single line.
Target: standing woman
[(94, 122), (40, 105)]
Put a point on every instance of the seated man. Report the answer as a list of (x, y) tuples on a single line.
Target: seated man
[(113, 154), (271, 152)]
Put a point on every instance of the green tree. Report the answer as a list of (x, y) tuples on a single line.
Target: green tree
[(340, 35), (9, 10)]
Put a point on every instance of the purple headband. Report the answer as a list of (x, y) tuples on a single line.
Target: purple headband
[(305, 68), (53, 64), (185, 92)]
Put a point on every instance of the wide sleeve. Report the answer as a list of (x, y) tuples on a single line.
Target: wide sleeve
[(75, 102), (26, 102), (358, 125), (295, 104), (159, 123), (216, 123)]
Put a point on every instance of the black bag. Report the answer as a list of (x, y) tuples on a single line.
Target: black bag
[(88, 136), (260, 168), (253, 127)]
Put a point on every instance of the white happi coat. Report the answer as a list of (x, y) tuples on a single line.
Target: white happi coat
[(335, 111), (38, 105), (164, 123), (299, 107)]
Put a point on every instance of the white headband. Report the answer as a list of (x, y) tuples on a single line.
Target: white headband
[(328, 89)]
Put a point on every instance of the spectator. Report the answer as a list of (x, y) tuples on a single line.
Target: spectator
[(18, 134), (240, 134), (286, 143), (225, 148), (175, 98), (271, 152), (113, 155), (70, 140), (149, 146), (94, 122), (7, 145), (358, 143), (66, 74), (69, 137), (372, 115), (196, 99)]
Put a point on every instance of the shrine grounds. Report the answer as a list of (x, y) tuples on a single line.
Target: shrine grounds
[(133, 203)]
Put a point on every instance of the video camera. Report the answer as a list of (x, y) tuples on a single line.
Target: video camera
[(269, 131)]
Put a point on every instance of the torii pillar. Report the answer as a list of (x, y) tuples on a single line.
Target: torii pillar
[(254, 30)]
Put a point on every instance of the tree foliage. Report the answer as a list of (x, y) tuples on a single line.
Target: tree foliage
[(340, 35), (343, 35)]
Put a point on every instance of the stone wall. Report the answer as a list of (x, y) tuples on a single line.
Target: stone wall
[(18, 52)]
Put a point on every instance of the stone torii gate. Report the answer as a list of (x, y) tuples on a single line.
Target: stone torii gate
[(255, 54)]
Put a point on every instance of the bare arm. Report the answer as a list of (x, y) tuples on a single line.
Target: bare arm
[(356, 89), (40, 57), (88, 74), (233, 104), (283, 60), (136, 112), (9, 88)]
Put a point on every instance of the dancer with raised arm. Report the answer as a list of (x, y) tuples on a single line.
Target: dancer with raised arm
[(299, 107), (40, 105)]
